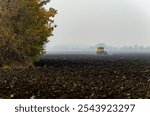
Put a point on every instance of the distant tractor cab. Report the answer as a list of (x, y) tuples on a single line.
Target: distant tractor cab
[(100, 51)]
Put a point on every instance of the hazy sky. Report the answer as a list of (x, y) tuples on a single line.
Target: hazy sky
[(113, 22)]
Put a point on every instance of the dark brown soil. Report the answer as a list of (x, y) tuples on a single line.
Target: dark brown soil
[(80, 76)]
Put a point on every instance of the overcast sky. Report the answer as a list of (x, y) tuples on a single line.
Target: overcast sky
[(113, 22)]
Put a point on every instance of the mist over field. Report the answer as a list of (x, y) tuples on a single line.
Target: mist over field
[(87, 49)]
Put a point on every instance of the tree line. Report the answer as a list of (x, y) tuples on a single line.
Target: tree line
[(25, 26)]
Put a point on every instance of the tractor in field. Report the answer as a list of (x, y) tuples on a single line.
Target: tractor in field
[(100, 51)]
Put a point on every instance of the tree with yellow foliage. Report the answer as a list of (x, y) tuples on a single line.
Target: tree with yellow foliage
[(25, 26)]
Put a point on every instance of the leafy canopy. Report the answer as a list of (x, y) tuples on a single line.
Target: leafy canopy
[(25, 26)]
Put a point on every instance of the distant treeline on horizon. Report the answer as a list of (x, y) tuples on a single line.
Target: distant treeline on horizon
[(93, 48)]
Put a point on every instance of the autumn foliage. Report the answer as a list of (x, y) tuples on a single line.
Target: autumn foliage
[(25, 26)]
